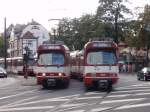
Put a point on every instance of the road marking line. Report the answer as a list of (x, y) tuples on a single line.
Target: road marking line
[(69, 96), (132, 106), (15, 103), (83, 98), (26, 108), (11, 96), (118, 101), (66, 109), (130, 91), (67, 102), (99, 109), (40, 101), (142, 94), (137, 85), (134, 88), (118, 96), (59, 99), (73, 105), (77, 111), (93, 93)]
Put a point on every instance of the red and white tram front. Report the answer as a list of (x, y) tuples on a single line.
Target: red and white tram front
[(101, 68), (52, 65)]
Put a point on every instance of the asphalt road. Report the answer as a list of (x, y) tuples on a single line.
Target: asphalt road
[(20, 95)]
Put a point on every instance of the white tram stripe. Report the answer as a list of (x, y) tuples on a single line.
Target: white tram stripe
[(132, 106), (25, 108), (124, 100)]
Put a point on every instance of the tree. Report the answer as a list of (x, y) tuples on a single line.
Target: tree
[(112, 11), (144, 34)]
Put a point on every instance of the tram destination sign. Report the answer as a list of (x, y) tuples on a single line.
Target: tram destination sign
[(51, 47), (102, 45)]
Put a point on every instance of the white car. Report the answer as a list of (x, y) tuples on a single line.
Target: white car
[(3, 72)]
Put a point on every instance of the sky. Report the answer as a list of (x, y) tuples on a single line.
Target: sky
[(23, 11)]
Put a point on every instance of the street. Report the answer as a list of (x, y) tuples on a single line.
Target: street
[(21, 95)]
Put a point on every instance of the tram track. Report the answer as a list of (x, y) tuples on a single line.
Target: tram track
[(73, 107)]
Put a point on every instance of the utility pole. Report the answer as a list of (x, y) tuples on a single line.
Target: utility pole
[(5, 45)]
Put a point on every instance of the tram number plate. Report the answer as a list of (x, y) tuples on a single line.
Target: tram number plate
[(103, 81), (51, 82)]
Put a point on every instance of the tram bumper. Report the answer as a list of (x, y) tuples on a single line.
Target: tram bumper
[(53, 81), (100, 82), (56, 81)]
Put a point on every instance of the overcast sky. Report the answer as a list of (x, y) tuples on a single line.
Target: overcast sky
[(23, 11)]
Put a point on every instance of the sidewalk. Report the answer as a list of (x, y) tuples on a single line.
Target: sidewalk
[(126, 73), (30, 81)]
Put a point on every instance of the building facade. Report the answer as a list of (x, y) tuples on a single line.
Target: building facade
[(22, 36)]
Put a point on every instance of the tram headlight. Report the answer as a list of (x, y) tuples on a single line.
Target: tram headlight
[(44, 74), (60, 74)]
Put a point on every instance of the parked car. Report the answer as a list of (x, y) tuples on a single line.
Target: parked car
[(144, 74), (3, 72)]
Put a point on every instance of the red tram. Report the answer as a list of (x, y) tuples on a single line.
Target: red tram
[(15, 65), (53, 65), (100, 64), (76, 61)]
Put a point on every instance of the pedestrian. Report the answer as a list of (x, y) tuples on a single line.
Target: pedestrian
[(124, 68)]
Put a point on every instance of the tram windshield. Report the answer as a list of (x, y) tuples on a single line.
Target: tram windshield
[(51, 59), (101, 57)]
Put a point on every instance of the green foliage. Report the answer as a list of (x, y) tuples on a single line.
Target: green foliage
[(108, 10), (144, 34), (76, 32)]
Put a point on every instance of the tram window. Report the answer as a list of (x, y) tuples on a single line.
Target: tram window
[(101, 57), (51, 59)]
